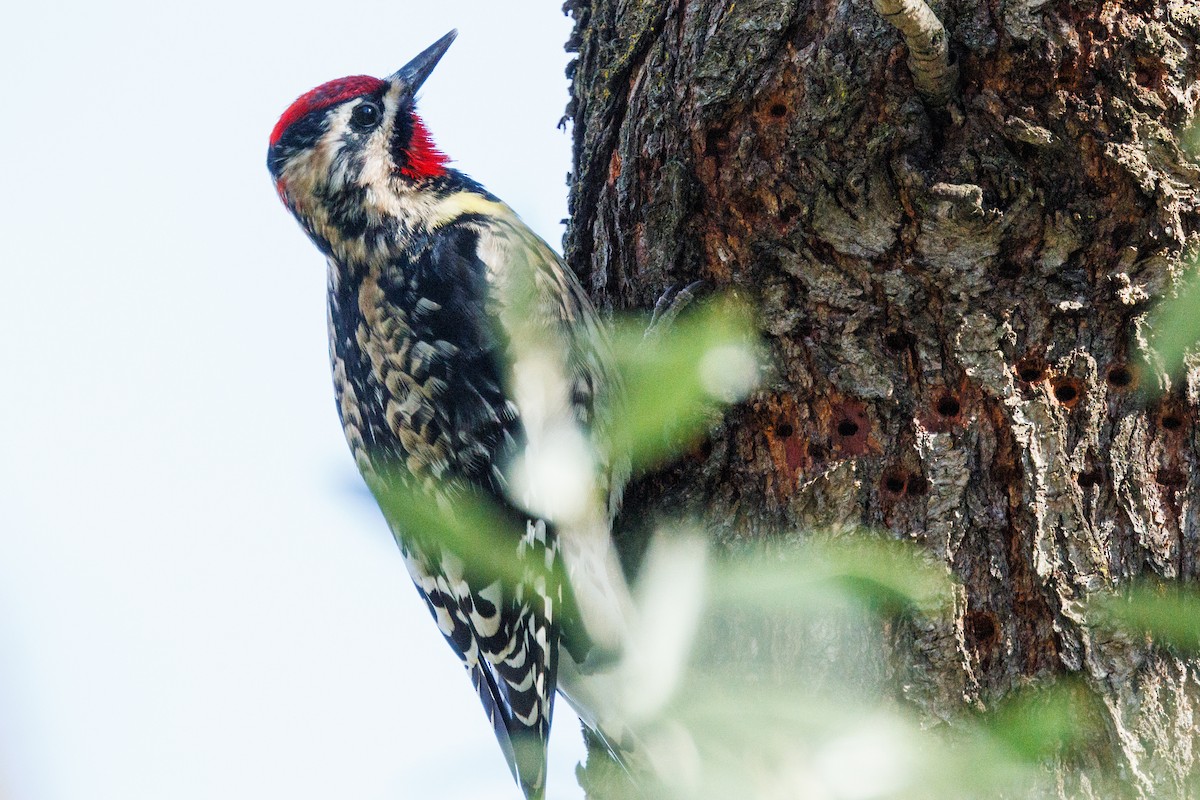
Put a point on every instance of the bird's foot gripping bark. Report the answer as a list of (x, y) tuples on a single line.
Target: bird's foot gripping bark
[(669, 306)]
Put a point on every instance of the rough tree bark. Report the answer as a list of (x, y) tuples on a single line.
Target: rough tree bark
[(949, 291)]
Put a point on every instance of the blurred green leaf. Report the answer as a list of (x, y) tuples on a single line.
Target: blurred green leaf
[(877, 573), (1176, 325), (761, 738), (1039, 722), (477, 530), (1176, 321), (1167, 613), (676, 379)]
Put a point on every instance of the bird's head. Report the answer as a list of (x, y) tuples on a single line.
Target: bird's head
[(359, 135)]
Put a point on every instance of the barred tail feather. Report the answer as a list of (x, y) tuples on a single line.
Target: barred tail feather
[(524, 747)]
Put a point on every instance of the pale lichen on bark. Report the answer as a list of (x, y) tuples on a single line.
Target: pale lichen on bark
[(929, 59)]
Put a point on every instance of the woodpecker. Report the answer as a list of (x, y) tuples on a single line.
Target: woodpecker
[(466, 357)]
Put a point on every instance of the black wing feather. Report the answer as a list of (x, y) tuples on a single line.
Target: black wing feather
[(463, 371)]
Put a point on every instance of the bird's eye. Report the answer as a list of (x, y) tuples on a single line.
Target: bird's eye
[(365, 116)]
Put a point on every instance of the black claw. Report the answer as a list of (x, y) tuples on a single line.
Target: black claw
[(660, 305), (670, 303)]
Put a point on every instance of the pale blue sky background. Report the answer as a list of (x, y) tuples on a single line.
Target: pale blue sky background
[(196, 598)]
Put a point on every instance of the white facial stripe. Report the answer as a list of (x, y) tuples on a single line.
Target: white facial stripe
[(377, 167)]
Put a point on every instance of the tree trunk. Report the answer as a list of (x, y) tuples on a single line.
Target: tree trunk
[(953, 293)]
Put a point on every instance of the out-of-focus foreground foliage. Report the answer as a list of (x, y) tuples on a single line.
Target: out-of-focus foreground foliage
[(1174, 327), (765, 674)]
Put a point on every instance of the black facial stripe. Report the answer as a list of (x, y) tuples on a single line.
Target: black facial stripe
[(300, 135), (306, 132), (402, 131)]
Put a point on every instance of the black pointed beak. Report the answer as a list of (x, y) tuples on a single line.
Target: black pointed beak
[(414, 73)]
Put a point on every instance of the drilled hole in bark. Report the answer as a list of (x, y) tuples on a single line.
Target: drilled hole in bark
[(779, 110), (784, 430), (1170, 477), (816, 451), (1120, 377), (948, 406), (894, 482), (917, 485), (896, 341), (1067, 391), (1087, 480), (1097, 30), (1031, 375), (1030, 370), (716, 141), (980, 628), (1171, 422), (847, 428), (1146, 77), (1004, 473), (1008, 270)]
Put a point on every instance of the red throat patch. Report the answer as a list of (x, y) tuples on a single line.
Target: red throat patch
[(423, 160), (324, 96)]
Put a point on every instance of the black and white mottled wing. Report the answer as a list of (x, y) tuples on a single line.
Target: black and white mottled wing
[(507, 637), (438, 425)]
